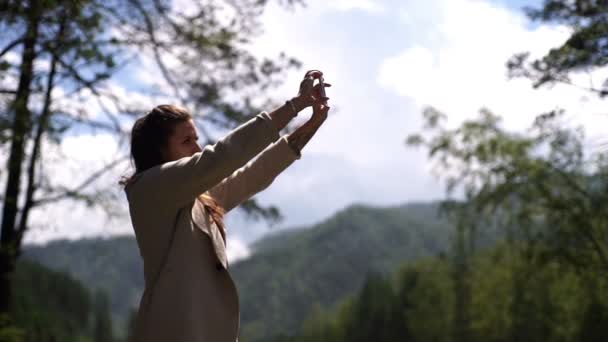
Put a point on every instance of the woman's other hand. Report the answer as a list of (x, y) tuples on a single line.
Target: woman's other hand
[(319, 110)]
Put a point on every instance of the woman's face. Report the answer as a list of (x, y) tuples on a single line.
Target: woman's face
[(183, 142)]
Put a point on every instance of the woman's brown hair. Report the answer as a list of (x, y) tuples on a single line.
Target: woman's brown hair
[(149, 135)]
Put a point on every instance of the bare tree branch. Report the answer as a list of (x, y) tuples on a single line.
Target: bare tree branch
[(89, 122), (11, 45), (90, 84), (76, 190), (155, 48)]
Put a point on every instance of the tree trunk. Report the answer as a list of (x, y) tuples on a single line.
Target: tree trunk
[(42, 127), (21, 126), (462, 277)]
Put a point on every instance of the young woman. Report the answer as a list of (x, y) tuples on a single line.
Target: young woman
[(177, 198)]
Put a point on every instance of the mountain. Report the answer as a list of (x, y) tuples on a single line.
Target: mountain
[(291, 273), (288, 273)]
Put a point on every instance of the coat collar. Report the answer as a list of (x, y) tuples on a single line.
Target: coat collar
[(205, 223)]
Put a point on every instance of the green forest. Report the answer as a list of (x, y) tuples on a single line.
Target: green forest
[(504, 297), (517, 250), (52, 306)]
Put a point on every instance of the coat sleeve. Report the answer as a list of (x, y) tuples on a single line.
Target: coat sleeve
[(255, 176), (179, 182)]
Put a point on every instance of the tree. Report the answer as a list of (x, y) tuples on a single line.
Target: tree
[(585, 50), (461, 279), (373, 315), (131, 324), (69, 51), (102, 326), (540, 186)]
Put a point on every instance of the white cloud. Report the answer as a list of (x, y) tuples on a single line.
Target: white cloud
[(236, 249), (69, 164), (364, 5), (71, 220), (464, 68)]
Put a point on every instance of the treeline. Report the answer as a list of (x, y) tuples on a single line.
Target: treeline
[(511, 298), (51, 306)]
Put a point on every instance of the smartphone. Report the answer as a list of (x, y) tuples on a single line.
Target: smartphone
[(322, 90)]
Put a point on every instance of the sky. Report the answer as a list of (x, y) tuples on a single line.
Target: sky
[(387, 61)]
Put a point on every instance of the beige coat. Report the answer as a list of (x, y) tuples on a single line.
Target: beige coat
[(189, 295)]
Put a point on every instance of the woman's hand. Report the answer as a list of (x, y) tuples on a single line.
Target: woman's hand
[(319, 111), (300, 137), (309, 93)]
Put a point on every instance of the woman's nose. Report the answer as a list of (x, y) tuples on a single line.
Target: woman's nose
[(197, 148)]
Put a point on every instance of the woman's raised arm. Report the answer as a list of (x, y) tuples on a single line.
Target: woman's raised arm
[(259, 173), (178, 182)]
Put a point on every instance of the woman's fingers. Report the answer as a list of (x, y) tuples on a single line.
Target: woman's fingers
[(307, 83), (310, 76), (313, 73), (308, 88)]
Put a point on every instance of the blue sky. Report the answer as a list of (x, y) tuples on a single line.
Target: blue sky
[(387, 60)]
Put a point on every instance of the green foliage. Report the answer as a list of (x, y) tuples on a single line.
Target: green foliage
[(540, 187), (50, 305), (543, 190), (131, 325), (9, 331), (512, 300), (110, 265), (585, 49), (102, 326), (546, 193)]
